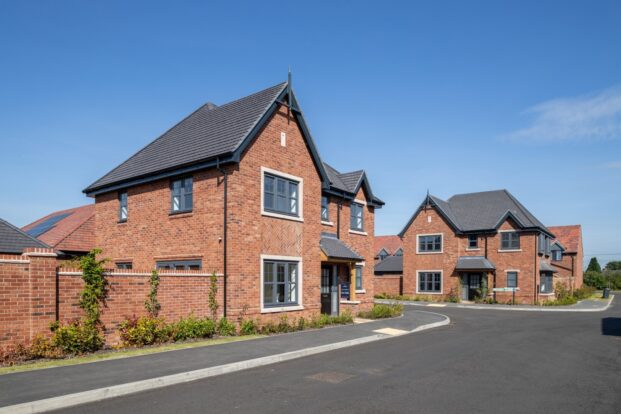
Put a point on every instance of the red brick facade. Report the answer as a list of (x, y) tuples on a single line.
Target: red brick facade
[(526, 260), (151, 233)]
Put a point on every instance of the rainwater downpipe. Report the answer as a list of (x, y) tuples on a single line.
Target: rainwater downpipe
[(224, 235)]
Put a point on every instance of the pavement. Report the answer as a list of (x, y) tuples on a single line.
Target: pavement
[(36, 391), (486, 361), (587, 305)]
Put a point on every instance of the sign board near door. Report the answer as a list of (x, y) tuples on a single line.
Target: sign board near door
[(345, 291)]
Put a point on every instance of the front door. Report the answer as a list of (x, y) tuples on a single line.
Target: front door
[(329, 290), (470, 286)]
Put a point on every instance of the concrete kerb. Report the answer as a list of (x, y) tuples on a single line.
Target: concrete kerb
[(70, 400), (504, 308)]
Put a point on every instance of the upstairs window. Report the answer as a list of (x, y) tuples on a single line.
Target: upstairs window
[(357, 219), (383, 254), (557, 255), (280, 195), (181, 195), (325, 214), (473, 241), (179, 265), (512, 279), (124, 265), (430, 243), (399, 252), (123, 206), (510, 240)]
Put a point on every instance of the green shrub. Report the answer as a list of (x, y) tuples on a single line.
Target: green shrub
[(248, 327), (226, 328), (381, 310), (301, 324), (565, 301), (584, 292), (77, 337), (192, 328), (143, 331), (42, 347), (595, 279)]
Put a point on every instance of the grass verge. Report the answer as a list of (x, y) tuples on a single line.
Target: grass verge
[(121, 353)]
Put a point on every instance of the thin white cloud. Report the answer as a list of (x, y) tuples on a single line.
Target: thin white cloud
[(615, 165), (587, 118)]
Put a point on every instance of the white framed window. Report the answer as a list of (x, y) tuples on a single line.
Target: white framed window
[(429, 281), (281, 283), (429, 243), (281, 195)]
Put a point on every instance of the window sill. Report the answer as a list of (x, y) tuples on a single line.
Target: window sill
[(327, 223), (350, 302), (546, 294), (282, 309), (430, 252), (429, 293), (282, 216), (180, 214), (121, 222), (509, 250), (358, 232), (362, 291), (472, 249)]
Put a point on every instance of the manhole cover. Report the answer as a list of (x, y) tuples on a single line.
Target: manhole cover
[(330, 376)]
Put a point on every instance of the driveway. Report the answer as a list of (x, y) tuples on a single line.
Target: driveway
[(485, 362)]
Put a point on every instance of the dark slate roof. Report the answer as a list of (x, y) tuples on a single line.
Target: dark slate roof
[(14, 240), (474, 263), (482, 211), (208, 132), (391, 264), (349, 182), (546, 267), (336, 249)]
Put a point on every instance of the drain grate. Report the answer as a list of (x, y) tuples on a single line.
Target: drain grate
[(331, 377)]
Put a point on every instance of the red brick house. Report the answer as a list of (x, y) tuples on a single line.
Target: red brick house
[(386, 246), (240, 190), (567, 255), (70, 232), (471, 243), (388, 265)]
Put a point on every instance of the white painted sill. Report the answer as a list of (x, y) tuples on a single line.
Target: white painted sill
[(282, 216), (350, 302), (361, 291), (430, 252), (470, 249), (282, 309), (327, 223), (509, 251), (361, 233)]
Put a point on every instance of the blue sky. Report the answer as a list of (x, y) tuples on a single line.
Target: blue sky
[(448, 96)]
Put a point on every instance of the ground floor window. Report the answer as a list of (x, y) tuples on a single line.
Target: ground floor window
[(358, 277), (512, 279), (124, 265), (280, 283), (430, 282), (179, 265), (547, 285)]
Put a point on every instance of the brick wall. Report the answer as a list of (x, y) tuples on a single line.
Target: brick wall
[(390, 284), (525, 261), (27, 295)]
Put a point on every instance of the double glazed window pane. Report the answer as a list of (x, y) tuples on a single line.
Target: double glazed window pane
[(546, 284), (357, 222), (429, 282), (123, 207), (280, 283), (430, 243), (182, 195), (280, 195), (512, 279), (324, 209), (358, 277), (510, 240)]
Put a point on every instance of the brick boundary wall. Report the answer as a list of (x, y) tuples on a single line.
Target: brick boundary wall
[(390, 284), (34, 292)]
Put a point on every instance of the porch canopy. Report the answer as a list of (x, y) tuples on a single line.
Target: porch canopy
[(335, 249), (474, 263), (546, 267)]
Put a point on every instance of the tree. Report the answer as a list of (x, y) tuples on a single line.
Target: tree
[(613, 265), (594, 266)]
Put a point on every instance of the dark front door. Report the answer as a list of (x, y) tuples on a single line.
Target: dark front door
[(470, 286), (329, 291)]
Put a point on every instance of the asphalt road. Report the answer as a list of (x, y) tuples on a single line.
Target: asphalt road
[(484, 362)]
